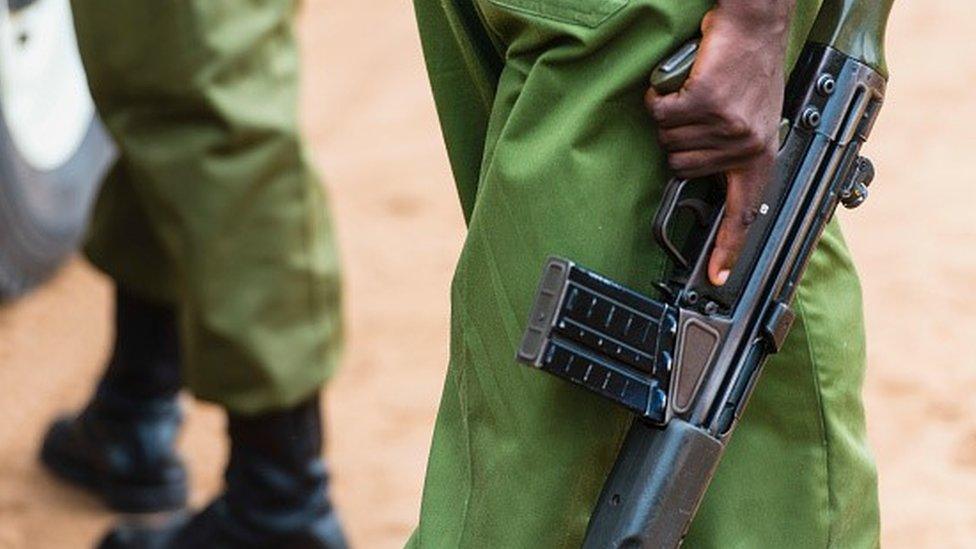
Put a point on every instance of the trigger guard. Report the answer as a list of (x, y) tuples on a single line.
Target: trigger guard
[(662, 220)]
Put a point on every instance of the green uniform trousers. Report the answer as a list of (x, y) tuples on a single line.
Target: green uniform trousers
[(540, 103), (212, 205)]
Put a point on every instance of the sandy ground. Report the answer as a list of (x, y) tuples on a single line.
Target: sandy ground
[(373, 132)]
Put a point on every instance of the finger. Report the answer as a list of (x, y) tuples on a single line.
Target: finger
[(740, 212), (650, 97), (675, 109), (728, 246), (698, 136), (701, 163)]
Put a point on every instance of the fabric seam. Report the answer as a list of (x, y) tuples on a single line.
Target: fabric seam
[(463, 401), (825, 443), (571, 14)]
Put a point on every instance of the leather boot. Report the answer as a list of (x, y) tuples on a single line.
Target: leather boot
[(276, 493), (121, 446)]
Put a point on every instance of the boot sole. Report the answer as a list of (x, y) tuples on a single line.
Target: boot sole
[(123, 498)]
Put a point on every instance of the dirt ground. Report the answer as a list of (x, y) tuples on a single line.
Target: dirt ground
[(372, 128)]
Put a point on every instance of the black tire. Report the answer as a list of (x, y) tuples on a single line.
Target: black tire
[(44, 209)]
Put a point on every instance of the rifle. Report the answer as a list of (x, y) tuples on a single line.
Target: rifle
[(686, 364)]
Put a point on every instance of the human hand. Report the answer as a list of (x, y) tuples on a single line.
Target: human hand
[(725, 118)]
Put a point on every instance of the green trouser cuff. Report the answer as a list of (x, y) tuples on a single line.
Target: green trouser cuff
[(213, 205)]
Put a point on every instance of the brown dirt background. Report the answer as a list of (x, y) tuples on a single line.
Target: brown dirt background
[(372, 129)]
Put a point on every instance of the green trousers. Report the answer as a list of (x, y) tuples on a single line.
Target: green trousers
[(212, 204), (540, 103)]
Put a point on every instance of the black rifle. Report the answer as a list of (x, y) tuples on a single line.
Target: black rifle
[(686, 364)]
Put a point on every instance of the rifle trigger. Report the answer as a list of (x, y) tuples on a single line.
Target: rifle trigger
[(698, 207)]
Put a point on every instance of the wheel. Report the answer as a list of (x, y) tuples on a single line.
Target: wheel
[(53, 149)]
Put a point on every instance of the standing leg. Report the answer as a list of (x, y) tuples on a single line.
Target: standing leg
[(122, 444), (567, 165), (201, 97)]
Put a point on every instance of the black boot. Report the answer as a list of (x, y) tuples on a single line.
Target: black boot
[(122, 444), (276, 493)]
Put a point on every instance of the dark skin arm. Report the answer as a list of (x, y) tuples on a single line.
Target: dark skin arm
[(725, 118)]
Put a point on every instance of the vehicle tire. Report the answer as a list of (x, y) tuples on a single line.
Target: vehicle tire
[(53, 149)]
